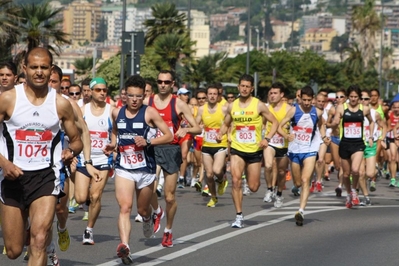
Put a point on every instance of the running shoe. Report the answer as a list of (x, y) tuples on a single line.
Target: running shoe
[(138, 219), (148, 227), (157, 220), (287, 175), (159, 190), (268, 196), (299, 217), (246, 191), (338, 192), (355, 198), (212, 202), (123, 252), (372, 186), (326, 177), (348, 202), (54, 261), (222, 186), (279, 202), (198, 186), (85, 216), (239, 222), (181, 183), (366, 202), (205, 192), (167, 240), (193, 181), (71, 209), (319, 187), (4, 250), (63, 239), (296, 191), (392, 183), (312, 187), (26, 256), (88, 238)]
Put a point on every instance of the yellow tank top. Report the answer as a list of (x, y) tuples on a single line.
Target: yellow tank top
[(223, 101), (247, 127), (212, 124), (278, 141)]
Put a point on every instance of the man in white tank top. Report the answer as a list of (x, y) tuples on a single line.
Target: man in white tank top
[(31, 116), (97, 115)]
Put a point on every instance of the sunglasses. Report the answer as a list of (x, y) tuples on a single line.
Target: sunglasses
[(74, 93), (340, 97), (365, 99), (99, 90), (64, 88), (230, 97), (202, 98), (167, 82)]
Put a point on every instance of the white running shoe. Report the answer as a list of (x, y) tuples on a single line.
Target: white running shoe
[(279, 202), (138, 219), (239, 222), (268, 196), (148, 227)]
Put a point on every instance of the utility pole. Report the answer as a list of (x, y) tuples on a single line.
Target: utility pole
[(292, 26), (381, 44), (248, 35), (122, 74)]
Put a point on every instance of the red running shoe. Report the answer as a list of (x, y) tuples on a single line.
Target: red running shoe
[(167, 240)]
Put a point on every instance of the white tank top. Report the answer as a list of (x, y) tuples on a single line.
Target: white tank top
[(100, 128), (366, 125), (33, 133)]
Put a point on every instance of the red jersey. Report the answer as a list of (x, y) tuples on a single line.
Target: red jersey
[(170, 116)]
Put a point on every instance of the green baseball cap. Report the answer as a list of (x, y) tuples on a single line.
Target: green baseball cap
[(97, 80)]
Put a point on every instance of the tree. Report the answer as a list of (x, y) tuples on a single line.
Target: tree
[(41, 26), (171, 48), (9, 19), (365, 25), (83, 66), (166, 20), (338, 43), (353, 64), (110, 71), (204, 69), (387, 53)]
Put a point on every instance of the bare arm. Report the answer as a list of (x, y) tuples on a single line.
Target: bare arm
[(183, 109), (339, 111), (226, 123), (290, 114), (155, 119), (66, 115)]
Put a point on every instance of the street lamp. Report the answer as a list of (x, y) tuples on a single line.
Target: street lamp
[(249, 35), (257, 38)]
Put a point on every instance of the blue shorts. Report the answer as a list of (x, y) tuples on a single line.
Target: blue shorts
[(103, 167), (336, 140), (298, 158)]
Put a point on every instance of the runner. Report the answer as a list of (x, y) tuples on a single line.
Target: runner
[(123, 99), (351, 148), (367, 169), (135, 126), (246, 153), (18, 193), (97, 115), (275, 155), (65, 84), (306, 133), (211, 115), (74, 92), (168, 156), (86, 92), (393, 120)]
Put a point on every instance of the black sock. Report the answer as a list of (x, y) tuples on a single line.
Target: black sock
[(239, 213), (270, 188), (279, 193)]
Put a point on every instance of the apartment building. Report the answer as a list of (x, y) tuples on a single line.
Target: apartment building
[(318, 39)]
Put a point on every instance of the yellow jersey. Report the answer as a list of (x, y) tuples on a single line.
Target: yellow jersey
[(212, 124), (277, 140), (247, 127)]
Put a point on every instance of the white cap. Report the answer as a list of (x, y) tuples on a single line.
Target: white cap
[(182, 91)]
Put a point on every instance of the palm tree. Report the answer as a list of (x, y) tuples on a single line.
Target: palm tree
[(387, 53), (353, 65), (366, 23), (204, 70), (166, 20), (169, 49), (8, 28), (42, 26), (83, 66)]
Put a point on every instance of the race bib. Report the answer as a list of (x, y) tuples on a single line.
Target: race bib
[(353, 130), (98, 140), (277, 141), (303, 135), (170, 126), (211, 134), (132, 157), (33, 146), (245, 134)]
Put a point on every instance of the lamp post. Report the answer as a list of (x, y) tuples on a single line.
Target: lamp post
[(257, 38), (248, 35)]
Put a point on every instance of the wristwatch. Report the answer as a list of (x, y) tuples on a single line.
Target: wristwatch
[(268, 139), (148, 142), (88, 162)]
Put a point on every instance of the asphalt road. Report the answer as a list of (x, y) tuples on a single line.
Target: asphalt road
[(331, 235)]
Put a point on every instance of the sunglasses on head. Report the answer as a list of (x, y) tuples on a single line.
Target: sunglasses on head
[(74, 93), (167, 82)]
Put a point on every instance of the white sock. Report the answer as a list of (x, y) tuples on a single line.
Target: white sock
[(168, 230)]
